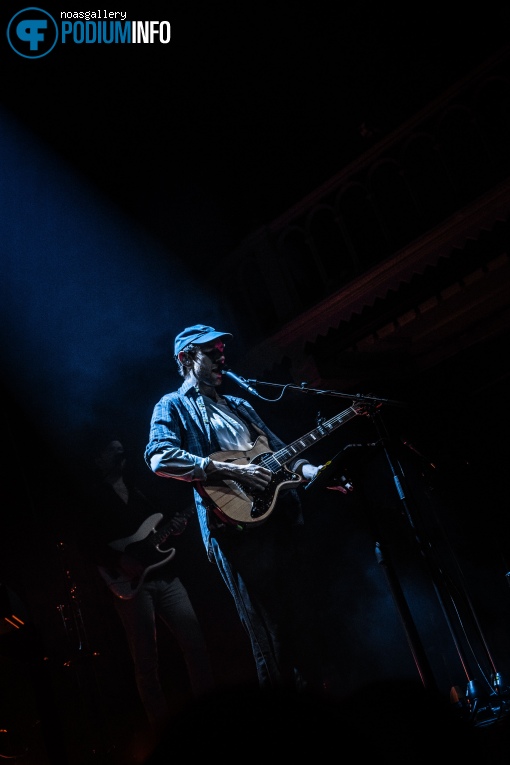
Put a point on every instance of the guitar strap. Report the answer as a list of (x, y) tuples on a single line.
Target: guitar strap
[(205, 417)]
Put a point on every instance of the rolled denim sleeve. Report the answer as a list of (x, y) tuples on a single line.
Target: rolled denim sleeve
[(176, 449), (176, 463)]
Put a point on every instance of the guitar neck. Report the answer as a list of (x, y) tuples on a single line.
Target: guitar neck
[(292, 450)]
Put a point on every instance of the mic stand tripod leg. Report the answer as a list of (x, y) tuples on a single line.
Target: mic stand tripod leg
[(434, 571), (416, 646)]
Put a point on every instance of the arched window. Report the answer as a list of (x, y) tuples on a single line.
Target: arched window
[(363, 233), (464, 153), (428, 179), (492, 109), (334, 259), (394, 203), (250, 298), (298, 265)]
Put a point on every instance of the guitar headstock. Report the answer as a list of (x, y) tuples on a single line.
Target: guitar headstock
[(365, 408)]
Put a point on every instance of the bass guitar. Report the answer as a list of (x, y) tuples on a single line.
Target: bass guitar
[(235, 504), (141, 552)]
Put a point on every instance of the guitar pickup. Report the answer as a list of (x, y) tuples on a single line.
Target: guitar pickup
[(237, 489)]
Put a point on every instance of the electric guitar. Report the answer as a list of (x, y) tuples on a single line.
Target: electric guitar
[(141, 552), (234, 503)]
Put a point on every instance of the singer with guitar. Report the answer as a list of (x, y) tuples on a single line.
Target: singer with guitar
[(244, 481), (131, 544)]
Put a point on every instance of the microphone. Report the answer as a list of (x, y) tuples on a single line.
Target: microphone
[(240, 381)]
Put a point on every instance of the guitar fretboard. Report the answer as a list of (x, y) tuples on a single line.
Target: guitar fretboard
[(282, 456)]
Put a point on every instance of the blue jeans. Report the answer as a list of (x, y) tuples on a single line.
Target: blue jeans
[(168, 600), (271, 580)]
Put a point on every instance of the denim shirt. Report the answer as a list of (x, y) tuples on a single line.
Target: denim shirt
[(179, 422)]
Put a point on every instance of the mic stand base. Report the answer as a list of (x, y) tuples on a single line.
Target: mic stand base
[(481, 710)]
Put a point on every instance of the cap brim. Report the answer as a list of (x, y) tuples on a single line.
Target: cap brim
[(210, 336)]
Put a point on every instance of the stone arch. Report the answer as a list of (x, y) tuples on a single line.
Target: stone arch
[(394, 202), (297, 258), (358, 219), (491, 104), (251, 298), (463, 151), (333, 257), (428, 178)]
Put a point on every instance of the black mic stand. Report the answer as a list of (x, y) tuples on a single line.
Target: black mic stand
[(446, 591), (327, 476), (470, 701), (413, 638)]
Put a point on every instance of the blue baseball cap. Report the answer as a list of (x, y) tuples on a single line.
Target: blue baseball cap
[(199, 334)]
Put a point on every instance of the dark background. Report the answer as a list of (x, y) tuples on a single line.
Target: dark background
[(166, 158), (148, 163), (246, 110)]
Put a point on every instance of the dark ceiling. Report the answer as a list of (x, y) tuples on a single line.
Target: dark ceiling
[(246, 110)]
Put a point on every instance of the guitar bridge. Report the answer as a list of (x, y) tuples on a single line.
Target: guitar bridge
[(258, 505)]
